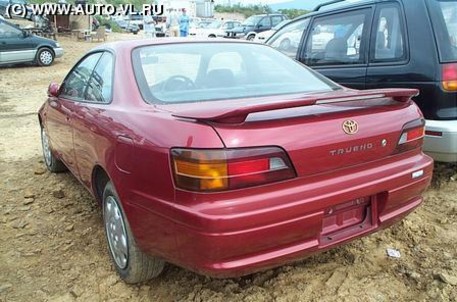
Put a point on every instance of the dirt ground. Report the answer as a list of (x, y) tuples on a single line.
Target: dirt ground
[(52, 246)]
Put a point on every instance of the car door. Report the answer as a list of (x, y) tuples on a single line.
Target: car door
[(389, 53), (60, 110), (15, 46), (264, 24), (337, 46), (88, 121)]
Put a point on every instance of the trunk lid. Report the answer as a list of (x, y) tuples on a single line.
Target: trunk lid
[(320, 133)]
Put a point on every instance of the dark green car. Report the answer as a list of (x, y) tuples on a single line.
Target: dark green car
[(19, 46)]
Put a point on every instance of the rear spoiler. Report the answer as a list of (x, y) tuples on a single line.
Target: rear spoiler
[(236, 112)]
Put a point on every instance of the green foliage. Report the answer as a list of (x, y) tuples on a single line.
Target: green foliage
[(247, 11), (293, 13)]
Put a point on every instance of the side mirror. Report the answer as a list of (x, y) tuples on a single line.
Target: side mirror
[(53, 90), (25, 34)]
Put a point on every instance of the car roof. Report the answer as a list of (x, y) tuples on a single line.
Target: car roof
[(129, 45), (337, 5), (272, 14)]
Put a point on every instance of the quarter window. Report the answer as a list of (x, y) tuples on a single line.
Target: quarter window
[(99, 88), (76, 82), (389, 39), (337, 39), (288, 38)]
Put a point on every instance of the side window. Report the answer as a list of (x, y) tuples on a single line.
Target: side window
[(7, 31), (99, 89), (275, 20), (265, 22), (337, 39), (287, 40), (75, 83), (389, 36)]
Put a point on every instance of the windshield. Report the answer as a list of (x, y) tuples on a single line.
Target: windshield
[(214, 25), (199, 72), (444, 18), (252, 21)]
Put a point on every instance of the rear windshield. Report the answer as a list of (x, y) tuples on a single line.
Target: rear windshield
[(196, 72), (444, 18)]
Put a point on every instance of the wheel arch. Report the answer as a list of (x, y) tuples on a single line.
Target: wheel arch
[(99, 180), (51, 48)]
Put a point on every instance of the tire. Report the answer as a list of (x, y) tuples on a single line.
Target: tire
[(211, 36), (132, 265), (45, 56), (53, 164), (250, 37)]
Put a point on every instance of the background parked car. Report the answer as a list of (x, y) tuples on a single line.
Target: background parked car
[(215, 29), (127, 26), (136, 19), (397, 43), (255, 24), (19, 46), (263, 36)]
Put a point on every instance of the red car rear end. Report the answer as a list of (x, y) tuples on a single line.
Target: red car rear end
[(328, 185), (228, 158)]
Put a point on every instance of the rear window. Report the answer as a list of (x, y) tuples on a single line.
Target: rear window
[(198, 72), (444, 19)]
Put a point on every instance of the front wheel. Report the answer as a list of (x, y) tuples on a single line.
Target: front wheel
[(130, 262), (250, 37), (52, 163), (45, 57)]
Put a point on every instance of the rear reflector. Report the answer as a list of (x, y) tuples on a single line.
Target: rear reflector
[(450, 77), (228, 169), (433, 133)]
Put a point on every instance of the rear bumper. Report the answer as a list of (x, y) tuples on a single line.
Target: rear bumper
[(238, 233), (443, 145)]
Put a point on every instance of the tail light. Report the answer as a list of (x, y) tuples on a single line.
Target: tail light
[(412, 136), (228, 169), (449, 77)]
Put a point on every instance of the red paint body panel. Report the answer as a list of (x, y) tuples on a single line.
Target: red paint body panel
[(333, 199)]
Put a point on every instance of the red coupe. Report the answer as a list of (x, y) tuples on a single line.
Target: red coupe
[(227, 157)]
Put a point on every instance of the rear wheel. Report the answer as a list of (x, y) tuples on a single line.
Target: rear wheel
[(44, 57), (52, 163), (130, 262)]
